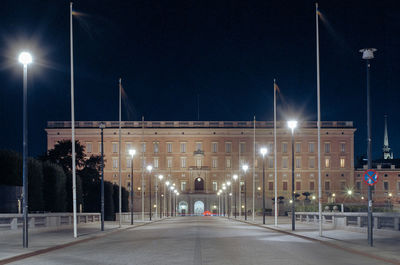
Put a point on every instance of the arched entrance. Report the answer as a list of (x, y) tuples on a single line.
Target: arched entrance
[(183, 208), (198, 208), (199, 184)]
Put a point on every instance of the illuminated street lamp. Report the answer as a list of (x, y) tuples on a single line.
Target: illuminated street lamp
[(132, 152), (25, 58), (149, 168), (263, 152), (160, 177), (245, 168), (292, 125)]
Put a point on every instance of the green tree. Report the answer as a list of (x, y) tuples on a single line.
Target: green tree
[(11, 168), (90, 176), (108, 201), (35, 185), (54, 183)]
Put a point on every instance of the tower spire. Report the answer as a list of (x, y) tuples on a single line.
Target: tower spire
[(386, 148)]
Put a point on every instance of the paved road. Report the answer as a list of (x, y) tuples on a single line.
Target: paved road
[(199, 240)]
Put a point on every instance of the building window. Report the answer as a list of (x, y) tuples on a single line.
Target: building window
[(358, 185), (284, 187), (270, 186), (270, 148), (89, 147), (312, 185), (228, 163), (155, 162), (343, 186), (256, 163), (128, 162), (214, 147), (284, 162), (143, 147), (311, 147), (228, 147), (242, 148), (284, 147), (142, 162), (327, 148), (183, 162), (199, 146), (214, 163), (270, 162), (198, 162), (215, 186), (385, 186), (298, 185), (311, 162), (100, 147), (298, 162), (169, 147), (342, 147), (128, 147), (115, 163), (115, 147), (327, 162), (242, 186), (169, 162), (298, 147), (183, 185), (342, 162), (183, 147), (155, 146), (327, 185)]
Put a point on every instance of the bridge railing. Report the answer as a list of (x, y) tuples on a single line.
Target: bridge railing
[(389, 221), (15, 221)]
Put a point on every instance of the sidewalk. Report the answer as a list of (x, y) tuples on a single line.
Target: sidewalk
[(386, 242), (41, 239)]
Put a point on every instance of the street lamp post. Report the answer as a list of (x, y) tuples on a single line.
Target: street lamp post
[(368, 54), (25, 58), (166, 186), (160, 177), (132, 152), (263, 152), (245, 168), (224, 198), (149, 169), (102, 126), (235, 177), (228, 183), (292, 125)]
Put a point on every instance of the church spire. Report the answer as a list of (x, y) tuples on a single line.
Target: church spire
[(386, 148)]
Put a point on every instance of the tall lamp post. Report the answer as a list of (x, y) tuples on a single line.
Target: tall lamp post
[(166, 188), (368, 54), (228, 183), (102, 126), (132, 152), (292, 125), (263, 152), (171, 189), (160, 177), (245, 168), (25, 58), (149, 169), (235, 177), (224, 198)]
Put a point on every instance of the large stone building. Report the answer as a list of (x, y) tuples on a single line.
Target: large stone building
[(199, 156)]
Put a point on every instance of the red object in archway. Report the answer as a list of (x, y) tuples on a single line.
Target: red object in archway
[(207, 213)]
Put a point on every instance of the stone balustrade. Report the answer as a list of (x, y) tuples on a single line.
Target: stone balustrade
[(46, 220)]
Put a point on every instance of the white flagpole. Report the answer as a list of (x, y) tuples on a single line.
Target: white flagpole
[(254, 166), (318, 125), (73, 125), (119, 155), (275, 162), (143, 164)]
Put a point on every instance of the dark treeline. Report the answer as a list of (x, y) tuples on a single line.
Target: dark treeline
[(50, 180)]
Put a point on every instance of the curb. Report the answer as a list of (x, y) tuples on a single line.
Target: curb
[(353, 251), (65, 245)]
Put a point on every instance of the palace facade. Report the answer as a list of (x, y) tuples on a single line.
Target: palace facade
[(199, 156)]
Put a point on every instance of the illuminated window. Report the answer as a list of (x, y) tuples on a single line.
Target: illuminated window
[(169, 162), (327, 162), (115, 163), (155, 162), (342, 162), (183, 162), (214, 162), (228, 163)]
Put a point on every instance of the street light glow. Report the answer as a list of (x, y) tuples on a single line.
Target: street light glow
[(149, 168), (160, 177), (245, 168), (25, 58), (292, 124), (132, 152), (349, 192), (228, 183), (235, 177), (167, 183), (263, 151)]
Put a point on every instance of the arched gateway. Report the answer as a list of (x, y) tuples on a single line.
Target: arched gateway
[(198, 208)]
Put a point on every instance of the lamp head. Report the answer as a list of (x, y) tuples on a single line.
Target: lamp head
[(102, 125), (132, 152), (167, 183), (25, 58), (228, 183), (245, 168), (160, 177), (349, 192), (263, 151), (292, 124), (149, 168), (235, 177), (368, 53)]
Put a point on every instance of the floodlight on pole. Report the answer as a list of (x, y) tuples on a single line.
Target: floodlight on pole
[(25, 58), (235, 177), (263, 151), (228, 183), (149, 168), (167, 183), (245, 168), (292, 125), (160, 177)]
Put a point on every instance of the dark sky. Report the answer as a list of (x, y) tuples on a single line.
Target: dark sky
[(228, 52)]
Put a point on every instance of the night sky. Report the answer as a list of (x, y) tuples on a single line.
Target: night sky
[(227, 52)]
